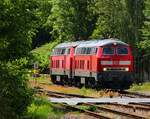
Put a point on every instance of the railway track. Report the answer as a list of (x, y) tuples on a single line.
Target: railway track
[(136, 111), (117, 112), (60, 94), (123, 93), (133, 94)]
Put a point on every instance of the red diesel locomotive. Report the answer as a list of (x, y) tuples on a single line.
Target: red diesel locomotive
[(92, 63)]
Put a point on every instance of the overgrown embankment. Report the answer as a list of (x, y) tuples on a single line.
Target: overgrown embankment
[(41, 55)]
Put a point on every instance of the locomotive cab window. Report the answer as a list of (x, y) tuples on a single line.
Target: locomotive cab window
[(108, 50), (122, 51)]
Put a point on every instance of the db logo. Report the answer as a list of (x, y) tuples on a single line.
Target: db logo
[(116, 62)]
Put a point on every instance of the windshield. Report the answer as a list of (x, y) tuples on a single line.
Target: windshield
[(122, 50), (108, 50)]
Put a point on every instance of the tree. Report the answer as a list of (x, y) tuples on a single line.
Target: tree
[(18, 26), (145, 43), (119, 18), (15, 96), (72, 19), (113, 20), (135, 10), (18, 23), (43, 29)]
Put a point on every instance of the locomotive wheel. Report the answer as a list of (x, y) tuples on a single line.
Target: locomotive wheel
[(57, 80), (70, 80), (65, 80), (53, 79), (61, 82), (77, 82), (87, 83), (90, 83)]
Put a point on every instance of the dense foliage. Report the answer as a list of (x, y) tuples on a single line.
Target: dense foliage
[(15, 96), (145, 43), (113, 19), (72, 19), (17, 27)]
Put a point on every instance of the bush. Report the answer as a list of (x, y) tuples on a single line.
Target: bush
[(140, 87), (41, 55), (15, 95)]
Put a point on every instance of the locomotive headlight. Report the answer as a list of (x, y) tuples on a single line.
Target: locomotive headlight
[(126, 69), (104, 69)]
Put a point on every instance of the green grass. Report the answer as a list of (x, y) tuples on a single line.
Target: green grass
[(140, 87), (83, 91), (85, 107), (43, 109), (42, 79)]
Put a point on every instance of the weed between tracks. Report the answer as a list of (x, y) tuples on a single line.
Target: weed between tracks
[(43, 109), (90, 108)]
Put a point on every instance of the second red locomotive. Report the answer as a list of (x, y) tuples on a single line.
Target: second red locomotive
[(92, 62)]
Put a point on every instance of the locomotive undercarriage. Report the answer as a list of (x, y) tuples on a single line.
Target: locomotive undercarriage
[(88, 82), (97, 80)]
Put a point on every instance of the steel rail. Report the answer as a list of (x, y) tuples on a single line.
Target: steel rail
[(135, 116), (140, 104), (134, 107), (65, 94), (133, 94), (87, 112)]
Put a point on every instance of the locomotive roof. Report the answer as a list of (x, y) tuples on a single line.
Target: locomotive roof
[(91, 43), (104, 42), (69, 44)]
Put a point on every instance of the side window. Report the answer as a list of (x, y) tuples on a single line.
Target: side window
[(78, 51), (122, 51), (94, 51), (62, 51), (108, 50), (68, 51), (59, 51), (88, 51), (83, 50), (53, 52)]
